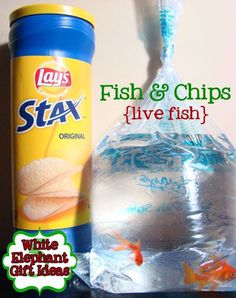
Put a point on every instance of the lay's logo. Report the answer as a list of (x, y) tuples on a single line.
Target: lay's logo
[(50, 77)]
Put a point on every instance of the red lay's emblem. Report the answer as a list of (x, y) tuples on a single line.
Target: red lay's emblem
[(51, 77)]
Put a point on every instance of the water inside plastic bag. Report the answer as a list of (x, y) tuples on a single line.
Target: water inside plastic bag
[(175, 194)]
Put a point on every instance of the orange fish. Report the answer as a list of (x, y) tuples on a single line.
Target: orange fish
[(134, 247), (211, 273)]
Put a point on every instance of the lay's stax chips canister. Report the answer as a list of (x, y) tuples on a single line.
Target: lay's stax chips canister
[(51, 52)]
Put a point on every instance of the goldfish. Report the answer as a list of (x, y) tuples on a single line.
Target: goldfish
[(127, 245), (212, 273)]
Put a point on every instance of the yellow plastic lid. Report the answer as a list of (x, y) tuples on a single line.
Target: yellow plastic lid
[(51, 9)]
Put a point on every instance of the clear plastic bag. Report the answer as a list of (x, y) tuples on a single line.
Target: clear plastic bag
[(164, 198)]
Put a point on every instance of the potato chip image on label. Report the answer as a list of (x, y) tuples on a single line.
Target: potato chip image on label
[(48, 187), (36, 176), (39, 208)]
